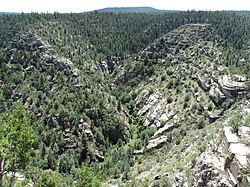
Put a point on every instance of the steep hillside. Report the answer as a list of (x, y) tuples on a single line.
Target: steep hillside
[(67, 104), (184, 99)]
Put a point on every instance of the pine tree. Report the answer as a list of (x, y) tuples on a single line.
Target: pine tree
[(16, 140)]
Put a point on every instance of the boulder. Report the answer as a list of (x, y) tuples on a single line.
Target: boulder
[(161, 131), (157, 142), (152, 117), (75, 72), (98, 156), (216, 95), (236, 148), (234, 86), (207, 171), (151, 101), (138, 152)]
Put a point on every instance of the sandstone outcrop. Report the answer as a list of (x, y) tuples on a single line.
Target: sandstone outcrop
[(234, 86), (216, 95), (155, 143), (161, 131), (47, 54), (209, 171), (237, 150)]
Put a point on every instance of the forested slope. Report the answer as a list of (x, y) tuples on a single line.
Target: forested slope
[(78, 76)]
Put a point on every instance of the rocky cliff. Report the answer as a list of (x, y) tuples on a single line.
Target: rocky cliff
[(181, 98)]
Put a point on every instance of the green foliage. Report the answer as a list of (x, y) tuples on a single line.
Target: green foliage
[(16, 139), (163, 78), (235, 122), (47, 180), (1, 95), (63, 107), (247, 120), (210, 107), (87, 178), (187, 97), (169, 99)]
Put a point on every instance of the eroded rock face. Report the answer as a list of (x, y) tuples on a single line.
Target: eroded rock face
[(154, 107), (237, 150), (166, 128), (216, 95), (61, 63), (223, 87), (154, 143), (226, 166), (48, 55), (235, 144), (150, 102), (208, 171), (36, 41), (202, 83), (153, 116), (101, 67), (234, 86), (157, 142)]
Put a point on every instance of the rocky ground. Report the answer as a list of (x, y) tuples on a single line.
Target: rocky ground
[(188, 100), (195, 106)]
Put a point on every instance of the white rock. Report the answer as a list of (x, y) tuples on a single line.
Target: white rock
[(157, 142), (239, 149), (160, 131), (152, 100), (242, 160), (244, 133), (230, 136), (211, 158)]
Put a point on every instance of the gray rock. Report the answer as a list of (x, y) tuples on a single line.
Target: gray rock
[(59, 62), (207, 170), (216, 95), (234, 144), (151, 101), (157, 142), (138, 152), (142, 97), (164, 129), (233, 87), (152, 117), (202, 83)]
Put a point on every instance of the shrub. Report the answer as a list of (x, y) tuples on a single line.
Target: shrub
[(210, 107), (169, 99), (163, 78), (235, 122), (87, 178), (187, 97), (47, 180), (185, 105)]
